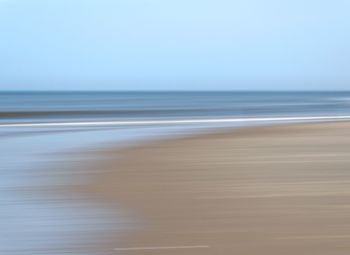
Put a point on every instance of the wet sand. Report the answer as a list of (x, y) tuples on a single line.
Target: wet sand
[(257, 190)]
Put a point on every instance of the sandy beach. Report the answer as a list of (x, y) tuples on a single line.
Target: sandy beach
[(280, 189)]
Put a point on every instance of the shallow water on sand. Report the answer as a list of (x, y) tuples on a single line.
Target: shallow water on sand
[(36, 164), (34, 219)]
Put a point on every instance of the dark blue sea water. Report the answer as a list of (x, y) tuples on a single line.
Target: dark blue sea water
[(86, 106)]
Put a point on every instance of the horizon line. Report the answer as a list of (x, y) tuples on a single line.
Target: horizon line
[(165, 90)]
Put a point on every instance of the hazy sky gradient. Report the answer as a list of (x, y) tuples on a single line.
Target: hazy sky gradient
[(174, 44)]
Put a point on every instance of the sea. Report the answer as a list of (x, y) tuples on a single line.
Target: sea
[(36, 159), (21, 107)]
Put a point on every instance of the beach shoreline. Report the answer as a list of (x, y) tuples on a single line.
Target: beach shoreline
[(252, 190)]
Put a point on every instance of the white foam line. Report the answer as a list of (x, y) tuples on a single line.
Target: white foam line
[(164, 122), (161, 248)]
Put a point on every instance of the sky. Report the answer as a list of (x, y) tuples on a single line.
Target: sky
[(174, 45)]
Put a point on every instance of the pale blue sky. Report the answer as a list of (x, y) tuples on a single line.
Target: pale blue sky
[(174, 44)]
